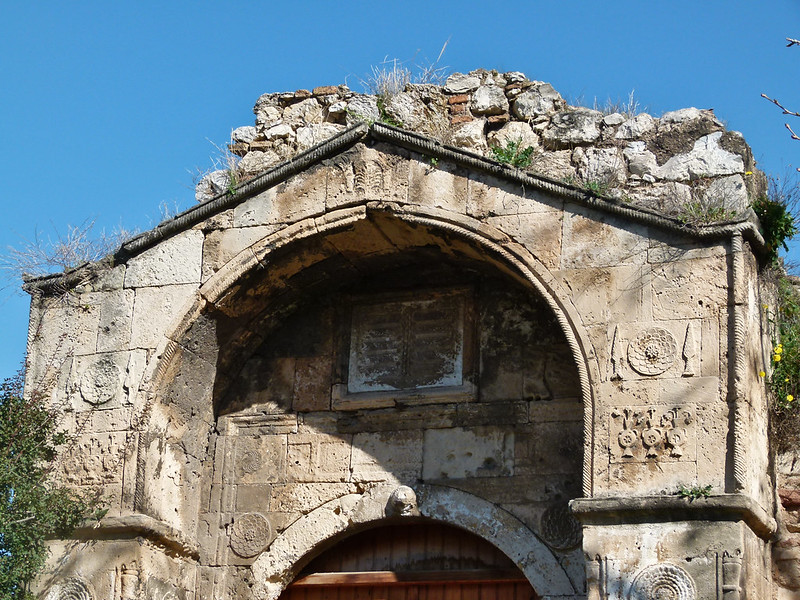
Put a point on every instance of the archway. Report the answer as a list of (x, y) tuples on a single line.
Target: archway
[(417, 561)]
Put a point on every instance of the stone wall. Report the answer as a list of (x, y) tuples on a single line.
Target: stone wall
[(385, 326), (683, 163)]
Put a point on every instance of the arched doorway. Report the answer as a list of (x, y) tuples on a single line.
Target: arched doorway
[(421, 561)]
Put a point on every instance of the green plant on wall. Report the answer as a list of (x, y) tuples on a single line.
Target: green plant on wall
[(785, 358), (513, 154), (694, 492), (33, 507), (777, 224), (385, 116)]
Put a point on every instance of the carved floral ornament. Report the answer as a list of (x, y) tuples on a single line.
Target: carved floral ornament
[(559, 528), (654, 350), (663, 581), (73, 588), (250, 534)]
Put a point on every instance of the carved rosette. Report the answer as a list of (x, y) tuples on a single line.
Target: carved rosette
[(250, 534), (73, 588), (653, 351), (662, 582), (559, 528)]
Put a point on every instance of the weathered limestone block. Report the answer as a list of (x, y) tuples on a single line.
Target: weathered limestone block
[(221, 245), (305, 497), (318, 457), (244, 134), (555, 165), (706, 159), (460, 453), (693, 288), (604, 166), (514, 131), (641, 161), (593, 288), (154, 310), (367, 174), (258, 460), (312, 384), (537, 102), (635, 127), (589, 242), (279, 131), (114, 326), (407, 110), (489, 100), (314, 134), (212, 184), (266, 117), (549, 448), (174, 261), (362, 108), (387, 456), (572, 127), (729, 193), (256, 161), (304, 112), (459, 83), (99, 380), (444, 187), (470, 135), (491, 196), (540, 233)]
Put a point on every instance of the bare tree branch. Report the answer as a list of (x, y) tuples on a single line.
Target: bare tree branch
[(792, 42), (785, 110)]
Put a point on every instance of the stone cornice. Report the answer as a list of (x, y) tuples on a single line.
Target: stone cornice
[(650, 509), (379, 132), (138, 525)]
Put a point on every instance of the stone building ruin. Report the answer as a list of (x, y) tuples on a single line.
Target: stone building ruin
[(376, 362)]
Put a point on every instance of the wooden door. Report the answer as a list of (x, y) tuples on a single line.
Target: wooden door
[(411, 562)]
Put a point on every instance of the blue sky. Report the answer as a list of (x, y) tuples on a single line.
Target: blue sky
[(106, 109)]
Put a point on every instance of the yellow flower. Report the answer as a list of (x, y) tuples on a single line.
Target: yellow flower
[(777, 358), (748, 172), (762, 374), (789, 398)]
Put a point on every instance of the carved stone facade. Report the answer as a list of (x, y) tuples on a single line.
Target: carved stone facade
[(387, 330)]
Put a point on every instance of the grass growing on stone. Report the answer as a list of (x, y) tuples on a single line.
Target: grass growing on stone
[(694, 492), (513, 154)]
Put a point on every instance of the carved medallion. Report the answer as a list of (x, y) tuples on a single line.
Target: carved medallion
[(662, 582), (250, 534), (652, 351), (559, 528), (70, 589), (100, 382)]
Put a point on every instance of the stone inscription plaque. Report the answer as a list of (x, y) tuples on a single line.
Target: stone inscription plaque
[(407, 344)]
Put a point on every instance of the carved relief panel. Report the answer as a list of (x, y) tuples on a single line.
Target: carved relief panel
[(664, 433), (656, 349)]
